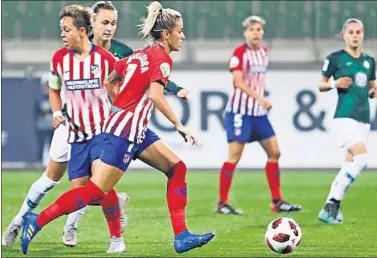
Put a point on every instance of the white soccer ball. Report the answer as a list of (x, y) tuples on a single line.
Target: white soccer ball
[(283, 235)]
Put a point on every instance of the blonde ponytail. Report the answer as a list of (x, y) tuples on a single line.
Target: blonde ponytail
[(157, 20), (146, 25)]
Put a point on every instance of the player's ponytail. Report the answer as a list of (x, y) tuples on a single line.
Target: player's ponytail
[(157, 20), (147, 23)]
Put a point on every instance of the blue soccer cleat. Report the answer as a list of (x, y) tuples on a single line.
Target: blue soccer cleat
[(331, 214), (186, 241), (29, 230)]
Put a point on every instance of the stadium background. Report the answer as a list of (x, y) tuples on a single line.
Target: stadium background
[(299, 34)]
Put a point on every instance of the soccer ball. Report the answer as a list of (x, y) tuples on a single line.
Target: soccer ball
[(283, 235)]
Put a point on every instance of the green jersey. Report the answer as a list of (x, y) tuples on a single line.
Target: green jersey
[(354, 101), (119, 50)]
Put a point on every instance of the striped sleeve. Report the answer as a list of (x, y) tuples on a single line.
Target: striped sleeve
[(54, 81)]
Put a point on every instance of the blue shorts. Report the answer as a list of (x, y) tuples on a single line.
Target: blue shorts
[(82, 156), (119, 152), (245, 129)]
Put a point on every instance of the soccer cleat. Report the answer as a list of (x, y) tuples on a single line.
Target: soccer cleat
[(283, 206), (116, 245), (186, 241), (69, 237), (29, 229), (10, 234), (331, 214), (224, 208), (123, 202)]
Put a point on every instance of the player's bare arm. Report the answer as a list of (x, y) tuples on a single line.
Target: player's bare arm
[(326, 84), (111, 84), (239, 83), (156, 95), (56, 107)]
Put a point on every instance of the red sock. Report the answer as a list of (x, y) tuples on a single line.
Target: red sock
[(226, 176), (69, 202), (110, 207), (273, 178), (176, 196)]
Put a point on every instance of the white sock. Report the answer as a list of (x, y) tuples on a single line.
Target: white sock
[(346, 176), (36, 193), (74, 217)]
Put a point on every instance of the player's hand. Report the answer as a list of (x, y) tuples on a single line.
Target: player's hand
[(343, 82), (186, 134), (183, 94), (373, 93), (265, 104), (56, 121)]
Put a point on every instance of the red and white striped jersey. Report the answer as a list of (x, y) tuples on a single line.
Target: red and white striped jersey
[(82, 83), (253, 64), (138, 71)]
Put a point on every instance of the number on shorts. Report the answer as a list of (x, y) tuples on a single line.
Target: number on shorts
[(237, 120), (131, 68)]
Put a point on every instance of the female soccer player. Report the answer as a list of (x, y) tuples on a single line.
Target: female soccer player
[(143, 77), (246, 117), (79, 70), (354, 75)]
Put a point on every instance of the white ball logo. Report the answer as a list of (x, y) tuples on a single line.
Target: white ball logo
[(361, 79)]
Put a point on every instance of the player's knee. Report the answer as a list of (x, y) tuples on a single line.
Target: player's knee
[(274, 155), (361, 161), (234, 157), (179, 171)]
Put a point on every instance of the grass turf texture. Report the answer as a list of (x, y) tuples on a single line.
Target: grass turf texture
[(149, 232)]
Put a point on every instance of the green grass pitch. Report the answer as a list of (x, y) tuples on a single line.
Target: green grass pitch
[(149, 232)]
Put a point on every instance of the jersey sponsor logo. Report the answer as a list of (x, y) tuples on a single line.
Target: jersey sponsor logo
[(83, 84), (361, 79), (257, 69), (325, 65), (94, 69), (366, 64), (234, 62), (165, 69)]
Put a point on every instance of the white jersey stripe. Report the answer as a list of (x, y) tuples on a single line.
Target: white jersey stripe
[(96, 107), (136, 116), (113, 120), (144, 115), (88, 95), (122, 124)]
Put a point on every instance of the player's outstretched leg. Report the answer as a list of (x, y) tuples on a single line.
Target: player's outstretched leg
[(68, 202), (36, 193)]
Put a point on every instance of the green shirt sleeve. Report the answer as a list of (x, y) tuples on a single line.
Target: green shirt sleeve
[(329, 66), (373, 68), (172, 87)]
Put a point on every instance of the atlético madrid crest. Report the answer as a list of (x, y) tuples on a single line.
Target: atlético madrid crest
[(94, 69)]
